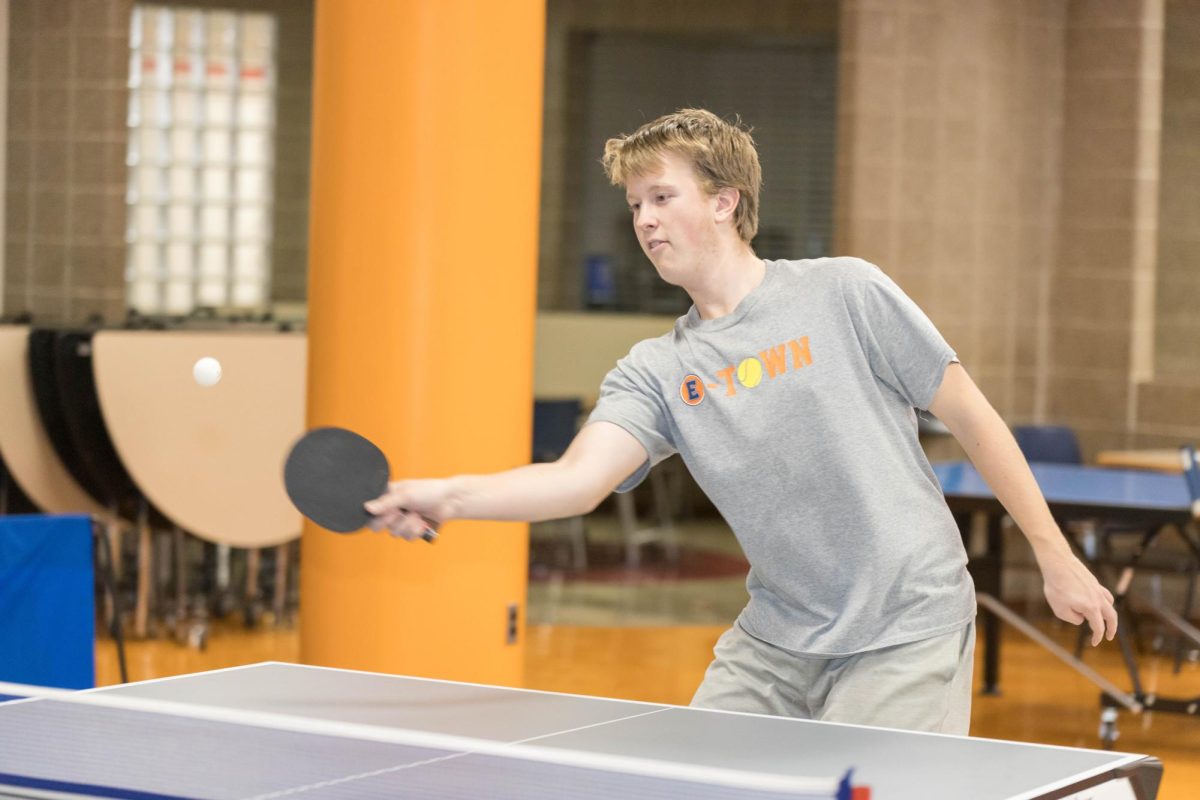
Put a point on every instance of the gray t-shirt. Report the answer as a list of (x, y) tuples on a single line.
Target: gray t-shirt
[(796, 415)]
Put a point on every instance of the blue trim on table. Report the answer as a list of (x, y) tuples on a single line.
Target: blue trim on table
[(90, 790)]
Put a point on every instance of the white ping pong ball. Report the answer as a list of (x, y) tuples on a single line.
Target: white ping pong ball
[(207, 371)]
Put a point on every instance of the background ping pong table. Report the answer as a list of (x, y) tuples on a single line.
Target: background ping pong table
[(1144, 501), (275, 730)]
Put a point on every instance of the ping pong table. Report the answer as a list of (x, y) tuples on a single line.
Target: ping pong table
[(274, 730), (1147, 501)]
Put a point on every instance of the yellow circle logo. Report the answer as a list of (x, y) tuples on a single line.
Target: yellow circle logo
[(749, 372)]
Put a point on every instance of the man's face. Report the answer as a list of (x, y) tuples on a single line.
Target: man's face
[(675, 221)]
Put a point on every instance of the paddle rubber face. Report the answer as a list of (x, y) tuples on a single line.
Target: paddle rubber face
[(330, 473)]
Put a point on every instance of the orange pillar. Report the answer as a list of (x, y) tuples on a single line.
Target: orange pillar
[(422, 295)]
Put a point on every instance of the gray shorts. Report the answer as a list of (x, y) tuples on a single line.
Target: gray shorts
[(920, 686)]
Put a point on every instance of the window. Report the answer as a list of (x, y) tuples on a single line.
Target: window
[(201, 134), (793, 116)]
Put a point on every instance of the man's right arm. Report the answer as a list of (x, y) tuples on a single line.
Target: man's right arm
[(600, 457)]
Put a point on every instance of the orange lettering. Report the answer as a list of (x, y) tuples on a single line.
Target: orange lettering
[(775, 359), (801, 355), (727, 376)]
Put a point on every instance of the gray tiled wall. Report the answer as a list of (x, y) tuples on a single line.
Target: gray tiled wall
[(64, 201)]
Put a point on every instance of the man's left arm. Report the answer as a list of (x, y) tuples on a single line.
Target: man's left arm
[(1073, 592)]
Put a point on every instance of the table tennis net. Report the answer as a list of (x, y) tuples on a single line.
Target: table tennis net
[(96, 745)]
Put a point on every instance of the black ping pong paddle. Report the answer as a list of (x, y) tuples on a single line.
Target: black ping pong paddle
[(331, 473)]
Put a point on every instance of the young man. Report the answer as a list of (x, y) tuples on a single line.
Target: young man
[(790, 390)]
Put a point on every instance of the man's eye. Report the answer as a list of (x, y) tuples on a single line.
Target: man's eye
[(633, 208), (662, 198)]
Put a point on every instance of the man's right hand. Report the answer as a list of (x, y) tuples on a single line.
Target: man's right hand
[(411, 509)]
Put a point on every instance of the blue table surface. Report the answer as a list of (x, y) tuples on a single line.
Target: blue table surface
[(1079, 485)]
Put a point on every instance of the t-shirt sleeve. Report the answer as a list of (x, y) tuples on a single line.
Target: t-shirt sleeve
[(628, 398), (903, 347)]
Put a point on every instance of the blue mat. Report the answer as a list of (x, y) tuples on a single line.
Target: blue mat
[(47, 601)]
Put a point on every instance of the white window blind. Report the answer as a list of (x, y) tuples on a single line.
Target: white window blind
[(785, 91)]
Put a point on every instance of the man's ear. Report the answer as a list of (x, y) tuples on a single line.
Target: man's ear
[(727, 203)]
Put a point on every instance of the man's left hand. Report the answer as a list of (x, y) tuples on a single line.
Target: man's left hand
[(1075, 595)]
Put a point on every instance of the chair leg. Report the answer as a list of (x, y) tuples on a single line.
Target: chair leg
[(145, 574), (252, 606), (1189, 600), (279, 601), (110, 531), (179, 551), (666, 519), (627, 515), (578, 543), (664, 531)]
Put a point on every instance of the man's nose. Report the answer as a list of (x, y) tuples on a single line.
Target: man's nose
[(645, 219)]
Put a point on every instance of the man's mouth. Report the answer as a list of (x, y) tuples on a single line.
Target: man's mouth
[(654, 244)]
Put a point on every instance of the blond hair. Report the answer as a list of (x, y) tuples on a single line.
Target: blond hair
[(722, 155)]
